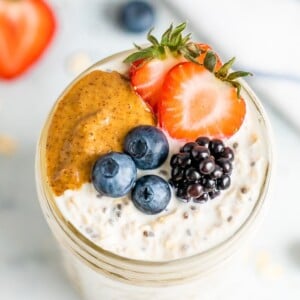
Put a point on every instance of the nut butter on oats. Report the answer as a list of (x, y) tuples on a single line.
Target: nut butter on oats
[(91, 119)]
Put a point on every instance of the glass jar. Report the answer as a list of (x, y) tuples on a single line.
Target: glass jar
[(99, 274)]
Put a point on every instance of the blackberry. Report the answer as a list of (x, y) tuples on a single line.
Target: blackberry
[(203, 141), (177, 173), (181, 193), (207, 166), (181, 160), (216, 173), (227, 154), (203, 198), (201, 170), (199, 153), (188, 147), (225, 165), (208, 184), (216, 146), (194, 190), (213, 194), (223, 183), (192, 175)]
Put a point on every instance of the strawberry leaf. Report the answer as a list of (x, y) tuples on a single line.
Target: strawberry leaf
[(177, 31), (152, 39), (137, 46), (193, 49), (223, 72), (144, 54), (237, 85), (210, 61), (172, 41), (166, 35), (238, 74)]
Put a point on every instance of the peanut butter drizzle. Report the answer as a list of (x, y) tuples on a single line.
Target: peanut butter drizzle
[(91, 119)]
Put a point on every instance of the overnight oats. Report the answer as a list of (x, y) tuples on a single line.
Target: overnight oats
[(152, 170)]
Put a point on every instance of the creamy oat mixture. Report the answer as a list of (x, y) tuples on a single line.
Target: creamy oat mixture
[(182, 229)]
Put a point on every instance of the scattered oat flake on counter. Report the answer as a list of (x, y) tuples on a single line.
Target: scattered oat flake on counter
[(78, 62), (8, 145), (267, 268)]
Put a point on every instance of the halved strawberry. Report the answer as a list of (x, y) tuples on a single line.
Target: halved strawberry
[(26, 27), (148, 77), (204, 49), (194, 102), (150, 65)]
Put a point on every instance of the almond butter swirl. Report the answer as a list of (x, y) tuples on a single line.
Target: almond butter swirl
[(91, 119)]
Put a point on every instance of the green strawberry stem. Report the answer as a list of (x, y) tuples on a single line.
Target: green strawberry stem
[(173, 42), (223, 73)]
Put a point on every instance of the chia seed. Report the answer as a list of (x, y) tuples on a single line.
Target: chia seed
[(148, 233), (164, 173), (88, 230), (94, 235), (184, 247), (185, 215), (244, 190)]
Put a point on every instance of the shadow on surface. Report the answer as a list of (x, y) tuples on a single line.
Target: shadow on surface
[(294, 253), (29, 255)]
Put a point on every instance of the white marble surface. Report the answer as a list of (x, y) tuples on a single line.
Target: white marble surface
[(29, 259)]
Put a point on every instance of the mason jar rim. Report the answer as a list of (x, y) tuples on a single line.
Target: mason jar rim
[(108, 262)]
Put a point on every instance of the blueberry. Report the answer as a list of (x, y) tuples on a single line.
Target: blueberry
[(114, 174), (151, 194), (137, 16), (147, 145)]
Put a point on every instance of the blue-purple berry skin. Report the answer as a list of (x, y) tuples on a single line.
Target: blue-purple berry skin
[(148, 146), (137, 16), (151, 194), (114, 174)]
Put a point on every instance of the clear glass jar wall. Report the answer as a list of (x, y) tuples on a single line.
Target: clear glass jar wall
[(99, 274)]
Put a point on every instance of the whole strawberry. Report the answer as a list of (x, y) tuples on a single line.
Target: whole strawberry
[(26, 28)]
